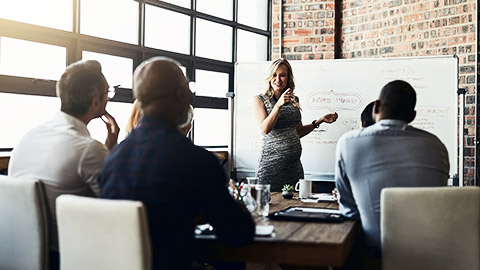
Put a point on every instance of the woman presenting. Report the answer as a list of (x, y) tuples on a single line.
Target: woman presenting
[(277, 112)]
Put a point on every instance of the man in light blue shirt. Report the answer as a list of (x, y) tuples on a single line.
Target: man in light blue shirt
[(390, 153)]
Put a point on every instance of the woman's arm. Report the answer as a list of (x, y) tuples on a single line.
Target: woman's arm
[(267, 122), (305, 130)]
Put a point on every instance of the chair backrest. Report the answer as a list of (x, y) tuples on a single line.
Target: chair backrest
[(430, 228), (23, 224), (102, 234)]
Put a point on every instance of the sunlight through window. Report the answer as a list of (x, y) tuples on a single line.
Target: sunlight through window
[(117, 70), (214, 40), (161, 35), (49, 13), (211, 127), (120, 23), (31, 59)]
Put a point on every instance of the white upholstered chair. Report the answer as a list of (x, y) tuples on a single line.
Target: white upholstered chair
[(23, 224), (430, 228), (102, 234)]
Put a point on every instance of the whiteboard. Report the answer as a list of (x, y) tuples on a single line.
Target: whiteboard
[(346, 86)]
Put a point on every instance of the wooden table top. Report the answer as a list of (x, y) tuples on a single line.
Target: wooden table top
[(293, 243), (4, 160)]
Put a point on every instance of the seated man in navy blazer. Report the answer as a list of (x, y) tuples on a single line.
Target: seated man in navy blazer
[(175, 179)]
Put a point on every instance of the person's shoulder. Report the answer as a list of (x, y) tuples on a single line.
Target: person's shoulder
[(260, 97), (202, 154), (423, 133), (93, 150), (351, 134)]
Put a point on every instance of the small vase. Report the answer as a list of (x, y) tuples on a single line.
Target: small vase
[(287, 194)]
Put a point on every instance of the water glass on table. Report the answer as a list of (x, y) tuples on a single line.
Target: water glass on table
[(252, 183), (263, 199)]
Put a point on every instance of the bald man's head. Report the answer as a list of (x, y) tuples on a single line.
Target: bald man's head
[(397, 101), (162, 89)]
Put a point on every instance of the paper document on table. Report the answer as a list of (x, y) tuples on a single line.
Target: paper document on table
[(319, 197)]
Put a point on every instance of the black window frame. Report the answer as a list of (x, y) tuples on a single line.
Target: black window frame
[(75, 43)]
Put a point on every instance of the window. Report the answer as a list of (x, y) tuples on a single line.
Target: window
[(118, 71), (253, 13), (219, 8), (210, 83), (49, 13), (30, 111), (211, 127), (182, 3), (248, 44), (38, 39), (110, 19), (31, 59), (160, 34), (214, 40)]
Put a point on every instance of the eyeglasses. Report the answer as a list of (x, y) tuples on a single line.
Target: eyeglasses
[(112, 91)]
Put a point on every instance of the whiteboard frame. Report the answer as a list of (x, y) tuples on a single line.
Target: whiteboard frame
[(328, 176)]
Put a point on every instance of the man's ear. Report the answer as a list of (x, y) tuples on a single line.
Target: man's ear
[(95, 102), (376, 107), (412, 117)]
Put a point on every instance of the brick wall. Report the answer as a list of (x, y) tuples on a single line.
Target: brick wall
[(308, 29), (385, 28)]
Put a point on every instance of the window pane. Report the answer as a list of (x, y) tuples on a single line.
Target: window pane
[(161, 35), (184, 70), (17, 124), (253, 13), (211, 127), (120, 111), (117, 70), (182, 3), (214, 40), (210, 83), (49, 13), (20, 118), (31, 59), (119, 23), (251, 46), (219, 8)]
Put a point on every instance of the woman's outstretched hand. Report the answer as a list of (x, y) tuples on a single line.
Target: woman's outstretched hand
[(329, 118)]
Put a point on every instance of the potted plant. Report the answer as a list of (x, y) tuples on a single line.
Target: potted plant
[(287, 191)]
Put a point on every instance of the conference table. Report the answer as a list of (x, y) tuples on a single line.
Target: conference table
[(292, 243)]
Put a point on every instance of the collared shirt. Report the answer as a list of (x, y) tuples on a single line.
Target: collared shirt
[(176, 181), (62, 155), (390, 153)]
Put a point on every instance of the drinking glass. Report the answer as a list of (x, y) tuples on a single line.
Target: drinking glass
[(252, 182), (263, 199), (248, 199)]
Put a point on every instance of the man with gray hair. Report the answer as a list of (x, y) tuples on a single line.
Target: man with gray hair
[(61, 152), (176, 180)]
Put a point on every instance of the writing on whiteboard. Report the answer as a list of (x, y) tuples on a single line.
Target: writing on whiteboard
[(396, 71), (352, 123), (333, 101), (432, 111)]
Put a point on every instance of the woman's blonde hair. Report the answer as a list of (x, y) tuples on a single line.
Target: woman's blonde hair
[(269, 93), (134, 117)]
